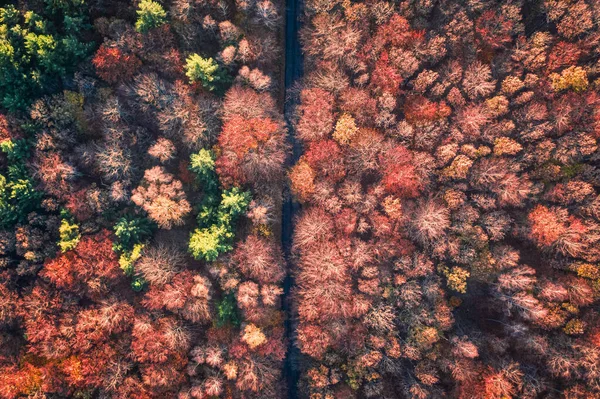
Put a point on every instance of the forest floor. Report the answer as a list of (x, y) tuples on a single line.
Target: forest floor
[(292, 73)]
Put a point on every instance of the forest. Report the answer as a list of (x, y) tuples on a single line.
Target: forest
[(407, 208)]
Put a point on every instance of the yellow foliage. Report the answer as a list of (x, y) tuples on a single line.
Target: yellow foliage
[(574, 327), (302, 178), (588, 270), (459, 168), (505, 145), (457, 278), (497, 105), (574, 78), (345, 129), (253, 336), (511, 84)]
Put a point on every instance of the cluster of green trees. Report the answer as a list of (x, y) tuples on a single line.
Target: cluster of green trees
[(18, 196), (39, 49), (132, 233), (218, 211)]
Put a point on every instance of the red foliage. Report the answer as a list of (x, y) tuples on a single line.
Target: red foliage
[(397, 33), (78, 205), (494, 29), (563, 54), (243, 141), (420, 109), (399, 175), (316, 114), (385, 77), (114, 66), (5, 132), (90, 268), (546, 228), (324, 157)]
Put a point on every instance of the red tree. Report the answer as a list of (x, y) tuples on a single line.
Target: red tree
[(113, 65)]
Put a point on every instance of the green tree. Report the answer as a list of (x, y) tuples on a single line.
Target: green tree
[(208, 243), (218, 210), (234, 202), (130, 231), (18, 196), (150, 15), (69, 235), (203, 165), (206, 71), (227, 311), (37, 50)]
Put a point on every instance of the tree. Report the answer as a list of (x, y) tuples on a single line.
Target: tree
[(38, 50), (91, 267), (316, 114), (113, 65), (345, 129), (69, 235), (546, 227), (131, 231), (18, 196), (162, 196), (206, 72), (259, 260), (252, 151), (399, 175), (159, 264), (209, 242), (150, 15), (430, 221)]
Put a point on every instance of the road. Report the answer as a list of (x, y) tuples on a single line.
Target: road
[(293, 72)]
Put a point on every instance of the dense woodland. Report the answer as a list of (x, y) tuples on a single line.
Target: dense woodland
[(140, 187), (448, 242), (448, 245)]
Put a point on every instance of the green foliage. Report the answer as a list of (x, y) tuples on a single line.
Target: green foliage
[(203, 165), (217, 216), (227, 311), (233, 204), (570, 171), (150, 15), (131, 231), (69, 235), (18, 196), (206, 71), (38, 49), (128, 258), (209, 243), (138, 283)]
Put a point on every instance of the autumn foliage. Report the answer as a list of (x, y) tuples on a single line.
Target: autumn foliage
[(447, 244)]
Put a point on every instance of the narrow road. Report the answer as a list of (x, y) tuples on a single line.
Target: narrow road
[(293, 72)]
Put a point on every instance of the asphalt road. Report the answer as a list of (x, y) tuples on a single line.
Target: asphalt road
[(293, 72)]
